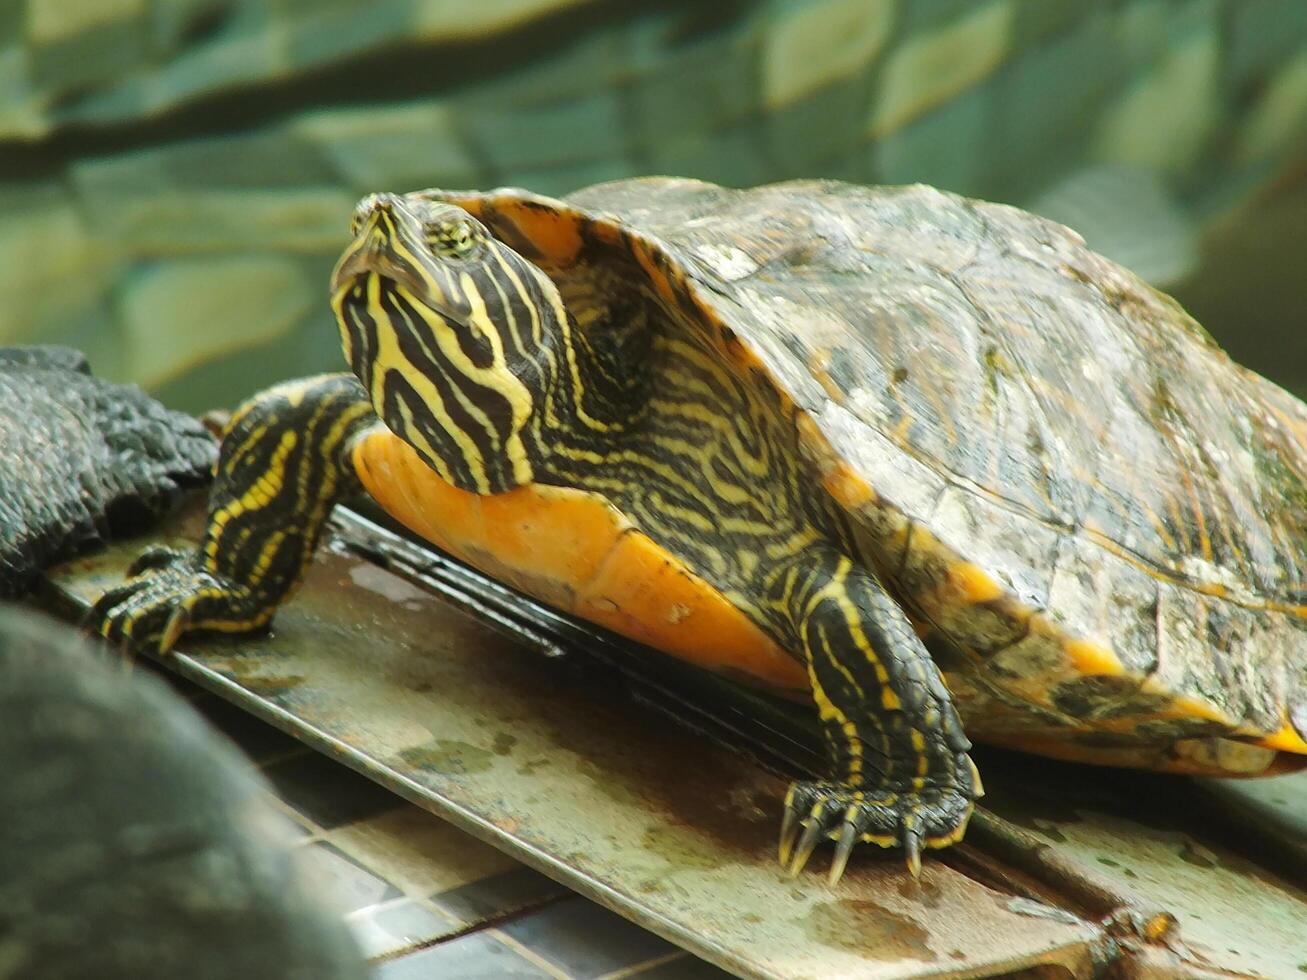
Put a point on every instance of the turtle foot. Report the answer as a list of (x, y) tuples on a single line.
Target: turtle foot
[(815, 811), (168, 593)]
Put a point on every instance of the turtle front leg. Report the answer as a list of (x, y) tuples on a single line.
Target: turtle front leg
[(899, 754), (284, 463)]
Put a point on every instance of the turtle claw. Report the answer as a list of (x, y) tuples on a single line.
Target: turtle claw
[(154, 557), (843, 848), (976, 785), (812, 833), (92, 623), (169, 594), (790, 828), (178, 623), (915, 820), (912, 846)]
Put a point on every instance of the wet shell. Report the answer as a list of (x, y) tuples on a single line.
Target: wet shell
[(1098, 518)]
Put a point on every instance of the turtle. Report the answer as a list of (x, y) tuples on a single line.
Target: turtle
[(82, 458), (925, 462)]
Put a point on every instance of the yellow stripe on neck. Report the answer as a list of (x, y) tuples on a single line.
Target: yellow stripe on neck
[(387, 358)]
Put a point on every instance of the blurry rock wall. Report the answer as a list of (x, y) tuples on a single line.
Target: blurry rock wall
[(176, 176)]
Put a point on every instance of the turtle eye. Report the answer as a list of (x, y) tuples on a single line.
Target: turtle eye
[(453, 239)]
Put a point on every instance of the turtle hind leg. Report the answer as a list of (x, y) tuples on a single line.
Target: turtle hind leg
[(284, 463), (902, 775)]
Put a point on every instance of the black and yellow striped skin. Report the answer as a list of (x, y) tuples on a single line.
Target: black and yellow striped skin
[(477, 362), (284, 465), (739, 376)]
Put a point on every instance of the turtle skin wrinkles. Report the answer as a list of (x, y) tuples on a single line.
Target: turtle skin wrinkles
[(79, 457), (1019, 402)]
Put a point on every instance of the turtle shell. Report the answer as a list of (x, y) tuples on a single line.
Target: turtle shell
[(1098, 518)]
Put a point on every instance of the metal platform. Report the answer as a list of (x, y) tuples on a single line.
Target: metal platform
[(656, 792)]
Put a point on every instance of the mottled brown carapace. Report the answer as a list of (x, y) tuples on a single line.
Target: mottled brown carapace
[(1099, 515)]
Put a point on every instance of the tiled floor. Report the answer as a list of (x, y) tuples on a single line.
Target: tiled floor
[(426, 900)]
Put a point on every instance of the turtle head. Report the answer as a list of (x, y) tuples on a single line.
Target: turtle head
[(453, 334)]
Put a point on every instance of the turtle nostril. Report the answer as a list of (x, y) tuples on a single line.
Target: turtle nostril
[(383, 203), (370, 207)]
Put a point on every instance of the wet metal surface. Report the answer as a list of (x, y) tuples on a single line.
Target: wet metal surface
[(1276, 809), (1161, 846), (424, 899), (575, 768)]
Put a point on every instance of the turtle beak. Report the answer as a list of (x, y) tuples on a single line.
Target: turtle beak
[(380, 246)]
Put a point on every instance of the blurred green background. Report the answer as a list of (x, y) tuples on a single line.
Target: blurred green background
[(176, 176)]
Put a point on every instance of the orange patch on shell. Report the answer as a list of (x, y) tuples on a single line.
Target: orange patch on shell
[(650, 266), (1184, 706), (556, 235), (848, 488), (606, 232), (972, 584), (1286, 739), (1089, 657), (574, 550), (742, 355), (552, 228), (475, 206)]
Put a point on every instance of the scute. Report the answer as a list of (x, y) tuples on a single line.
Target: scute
[(994, 346), (1017, 403)]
